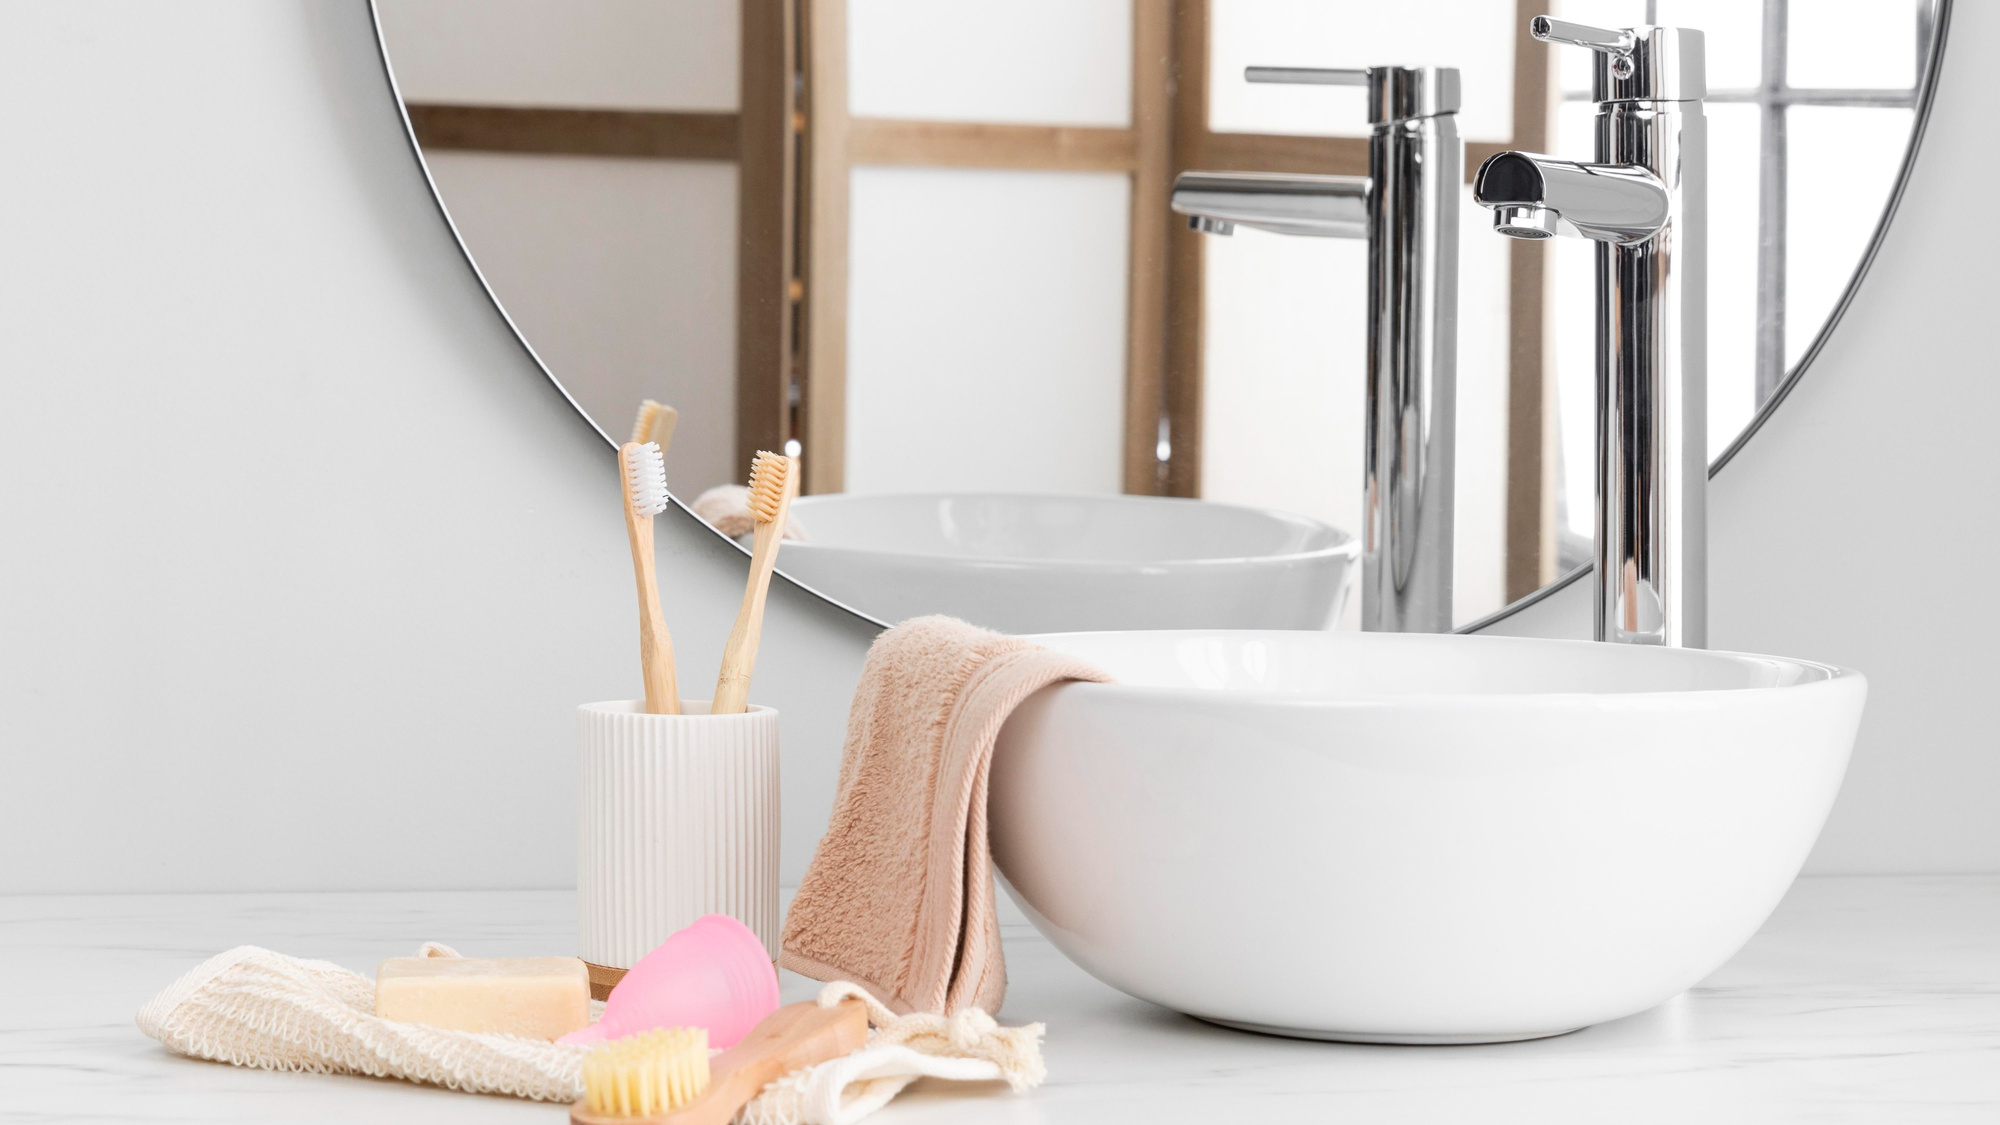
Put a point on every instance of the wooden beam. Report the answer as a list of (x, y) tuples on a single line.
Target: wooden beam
[(575, 132), (1152, 180), (1531, 430), (1478, 152), (1311, 156), (1273, 152), (955, 144), (765, 193), (823, 380), (1182, 391)]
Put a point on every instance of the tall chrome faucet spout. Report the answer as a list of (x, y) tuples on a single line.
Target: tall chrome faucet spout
[(1644, 201), (1407, 209)]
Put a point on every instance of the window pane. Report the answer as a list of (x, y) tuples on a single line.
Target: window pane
[(1573, 65), (1477, 36), (1733, 181), (1571, 320), (1854, 43), (1732, 35), (1285, 345), (1732, 31), (1843, 164), (1038, 62), (1284, 400), (622, 54), (986, 317)]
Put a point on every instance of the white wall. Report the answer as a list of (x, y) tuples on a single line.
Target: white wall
[(336, 666), (319, 618)]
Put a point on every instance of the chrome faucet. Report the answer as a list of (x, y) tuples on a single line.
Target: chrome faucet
[(1645, 203), (1407, 209)]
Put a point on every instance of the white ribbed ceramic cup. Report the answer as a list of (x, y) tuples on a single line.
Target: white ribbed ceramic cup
[(679, 819)]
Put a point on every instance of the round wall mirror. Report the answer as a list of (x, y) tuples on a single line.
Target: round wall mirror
[(927, 249)]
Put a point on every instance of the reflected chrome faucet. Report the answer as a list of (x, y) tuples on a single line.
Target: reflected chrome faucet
[(1407, 209), (1645, 204)]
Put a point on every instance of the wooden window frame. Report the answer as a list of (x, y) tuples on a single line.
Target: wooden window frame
[(796, 145), (1169, 134)]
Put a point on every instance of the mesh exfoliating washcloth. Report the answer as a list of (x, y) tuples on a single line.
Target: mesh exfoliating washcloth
[(964, 1047), (256, 1008)]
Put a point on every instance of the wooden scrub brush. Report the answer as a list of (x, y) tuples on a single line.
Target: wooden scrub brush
[(666, 1077)]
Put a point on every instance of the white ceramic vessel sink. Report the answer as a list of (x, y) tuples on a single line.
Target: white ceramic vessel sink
[(1024, 563), (1408, 838)]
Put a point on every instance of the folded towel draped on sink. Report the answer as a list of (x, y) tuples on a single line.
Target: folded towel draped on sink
[(899, 894)]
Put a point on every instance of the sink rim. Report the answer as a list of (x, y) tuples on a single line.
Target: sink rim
[(1340, 543), (1814, 674)]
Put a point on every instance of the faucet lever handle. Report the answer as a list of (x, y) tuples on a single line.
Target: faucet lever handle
[(1306, 75), (1616, 43)]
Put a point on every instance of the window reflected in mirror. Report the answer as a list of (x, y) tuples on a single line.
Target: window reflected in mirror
[(927, 247)]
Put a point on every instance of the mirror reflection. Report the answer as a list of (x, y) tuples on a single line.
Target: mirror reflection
[(931, 250)]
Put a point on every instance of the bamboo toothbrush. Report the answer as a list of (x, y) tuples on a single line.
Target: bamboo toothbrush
[(644, 475), (655, 423), (774, 480), (666, 1077)]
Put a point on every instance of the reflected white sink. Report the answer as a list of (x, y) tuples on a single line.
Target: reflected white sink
[(1409, 838), (1024, 563)]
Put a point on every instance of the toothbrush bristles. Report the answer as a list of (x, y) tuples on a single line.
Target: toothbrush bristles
[(646, 477), (642, 426), (767, 485)]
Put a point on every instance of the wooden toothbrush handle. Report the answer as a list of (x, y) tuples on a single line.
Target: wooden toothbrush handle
[(739, 657), (656, 646)]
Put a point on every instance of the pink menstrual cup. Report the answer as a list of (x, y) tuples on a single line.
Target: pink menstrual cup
[(713, 974)]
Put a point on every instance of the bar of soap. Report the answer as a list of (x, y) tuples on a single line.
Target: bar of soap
[(538, 997)]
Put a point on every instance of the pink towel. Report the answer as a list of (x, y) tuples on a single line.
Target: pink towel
[(899, 896)]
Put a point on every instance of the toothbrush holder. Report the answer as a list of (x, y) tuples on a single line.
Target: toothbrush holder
[(679, 819)]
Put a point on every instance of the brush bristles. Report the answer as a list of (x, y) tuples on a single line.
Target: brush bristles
[(648, 1074), (646, 477), (649, 416), (767, 485)]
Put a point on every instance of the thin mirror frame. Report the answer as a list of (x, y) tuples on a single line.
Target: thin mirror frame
[(1926, 92)]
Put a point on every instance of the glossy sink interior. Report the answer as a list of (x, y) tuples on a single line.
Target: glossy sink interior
[(1025, 563), (1413, 838)]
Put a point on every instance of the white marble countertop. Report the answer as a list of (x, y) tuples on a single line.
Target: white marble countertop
[(1863, 999)]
